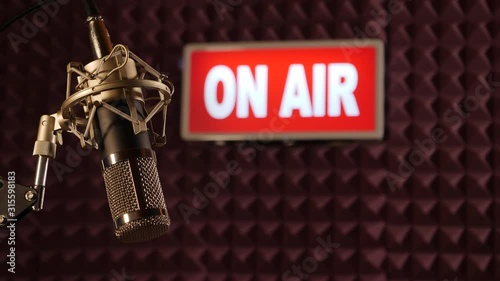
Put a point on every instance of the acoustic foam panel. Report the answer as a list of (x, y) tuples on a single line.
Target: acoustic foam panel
[(437, 221)]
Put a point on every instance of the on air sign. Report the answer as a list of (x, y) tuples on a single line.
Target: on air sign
[(300, 90)]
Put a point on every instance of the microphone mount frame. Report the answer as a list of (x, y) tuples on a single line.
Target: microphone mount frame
[(95, 90)]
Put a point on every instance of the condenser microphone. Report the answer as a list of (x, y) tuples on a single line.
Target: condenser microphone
[(110, 106), (118, 127)]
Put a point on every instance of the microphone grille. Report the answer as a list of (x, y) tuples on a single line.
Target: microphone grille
[(136, 199), (150, 182)]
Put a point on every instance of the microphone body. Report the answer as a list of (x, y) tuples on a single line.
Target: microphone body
[(128, 162)]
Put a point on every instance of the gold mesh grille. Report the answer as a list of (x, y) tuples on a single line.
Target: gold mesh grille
[(120, 189), (151, 183), (123, 198), (143, 229)]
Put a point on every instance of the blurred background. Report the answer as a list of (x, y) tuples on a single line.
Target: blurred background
[(393, 216)]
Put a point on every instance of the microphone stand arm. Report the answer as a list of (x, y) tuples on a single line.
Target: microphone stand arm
[(17, 200), (45, 148)]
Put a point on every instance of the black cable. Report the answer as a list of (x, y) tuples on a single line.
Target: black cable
[(91, 8), (30, 9)]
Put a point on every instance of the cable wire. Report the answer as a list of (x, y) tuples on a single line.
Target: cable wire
[(91, 8), (30, 9)]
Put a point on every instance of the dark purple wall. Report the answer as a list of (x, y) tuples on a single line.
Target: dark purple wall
[(437, 219)]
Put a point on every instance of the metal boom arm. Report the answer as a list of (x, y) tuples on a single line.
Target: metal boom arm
[(17, 200)]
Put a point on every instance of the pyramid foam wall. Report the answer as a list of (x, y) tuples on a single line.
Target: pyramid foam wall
[(406, 208)]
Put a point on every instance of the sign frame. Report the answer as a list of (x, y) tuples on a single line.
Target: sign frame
[(376, 134)]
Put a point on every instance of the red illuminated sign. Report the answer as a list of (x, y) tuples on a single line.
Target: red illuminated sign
[(296, 90)]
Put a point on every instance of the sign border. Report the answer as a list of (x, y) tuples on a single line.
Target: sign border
[(377, 134)]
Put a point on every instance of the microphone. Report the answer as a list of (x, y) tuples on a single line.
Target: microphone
[(118, 123)]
